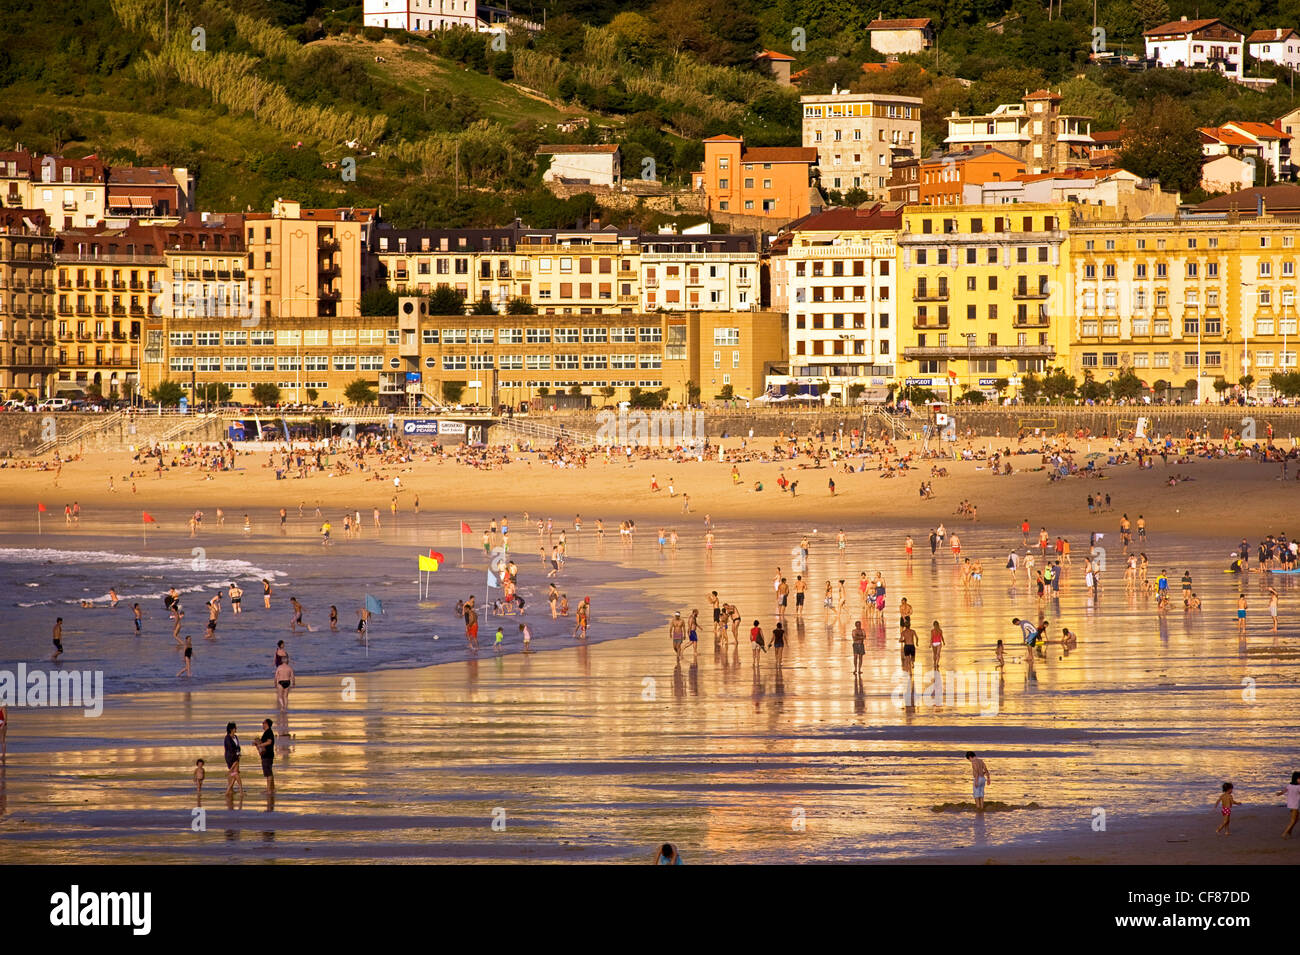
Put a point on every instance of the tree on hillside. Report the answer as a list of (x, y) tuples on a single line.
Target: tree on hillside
[(1151, 13), (1161, 142)]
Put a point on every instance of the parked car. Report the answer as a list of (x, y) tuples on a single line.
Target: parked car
[(17, 404), (54, 404)]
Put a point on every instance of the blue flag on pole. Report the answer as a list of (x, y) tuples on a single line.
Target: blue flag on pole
[(374, 604), (492, 580)]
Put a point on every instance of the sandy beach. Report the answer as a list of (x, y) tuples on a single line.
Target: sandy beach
[(601, 752)]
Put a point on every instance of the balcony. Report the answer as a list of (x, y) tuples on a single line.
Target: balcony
[(327, 243), (101, 310), (1031, 294), (328, 267), (65, 284), (13, 199), (119, 311), (223, 274), (957, 352), (118, 285), (628, 299), (137, 311), (101, 285), (209, 275), (327, 295), (83, 284), (83, 309), (136, 285), (929, 323), (1034, 322), (931, 295), (83, 335), (69, 205)]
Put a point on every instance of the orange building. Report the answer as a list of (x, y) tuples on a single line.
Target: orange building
[(943, 176), (771, 181)]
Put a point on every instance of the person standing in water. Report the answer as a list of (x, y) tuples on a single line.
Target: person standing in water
[(232, 760), (58, 638), (859, 647), (778, 641), (266, 749), (189, 658), (1225, 802), (981, 776), (936, 642), (284, 679), (266, 593)]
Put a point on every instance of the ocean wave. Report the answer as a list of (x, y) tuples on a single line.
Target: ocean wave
[(212, 567)]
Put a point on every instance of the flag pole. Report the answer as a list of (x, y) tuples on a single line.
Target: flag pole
[(462, 543), (38, 520)]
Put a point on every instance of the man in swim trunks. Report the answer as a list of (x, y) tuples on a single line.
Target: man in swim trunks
[(677, 630), (908, 639), (58, 638), (800, 589)]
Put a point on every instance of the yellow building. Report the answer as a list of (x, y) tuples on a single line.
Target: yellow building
[(982, 294), (1184, 300), (27, 344), (516, 358)]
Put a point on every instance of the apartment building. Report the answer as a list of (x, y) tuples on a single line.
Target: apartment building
[(303, 271), (858, 136), (148, 193), (1034, 131), (1186, 299), (108, 283), (981, 294), (1123, 192), (699, 272), (841, 270), (27, 347), (943, 178), (71, 192), (773, 182)]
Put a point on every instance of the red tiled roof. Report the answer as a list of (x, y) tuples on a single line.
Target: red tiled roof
[(1271, 36), (1183, 27), (1044, 94), (1259, 130), (917, 23), (140, 176), (806, 154), (774, 55), (1229, 137), (724, 138), (1276, 199), (849, 219)]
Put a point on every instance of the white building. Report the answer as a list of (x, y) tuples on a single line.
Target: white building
[(1280, 45), (856, 136), (594, 165), (1261, 143), (422, 16), (1198, 44), (706, 272), (840, 270), (1226, 173), (1125, 192), (893, 37)]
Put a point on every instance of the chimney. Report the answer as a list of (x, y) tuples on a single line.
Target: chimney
[(1182, 19)]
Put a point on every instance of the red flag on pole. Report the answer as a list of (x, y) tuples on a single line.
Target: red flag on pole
[(465, 528), (41, 508), (148, 518), (436, 556)]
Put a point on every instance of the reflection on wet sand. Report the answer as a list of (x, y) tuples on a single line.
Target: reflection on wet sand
[(598, 752)]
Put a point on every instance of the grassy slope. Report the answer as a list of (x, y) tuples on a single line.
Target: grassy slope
[(225, 143)]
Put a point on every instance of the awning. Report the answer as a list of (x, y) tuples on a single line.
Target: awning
[(874, 394)]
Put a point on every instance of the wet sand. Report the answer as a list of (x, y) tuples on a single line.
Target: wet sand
[(603, 752)]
